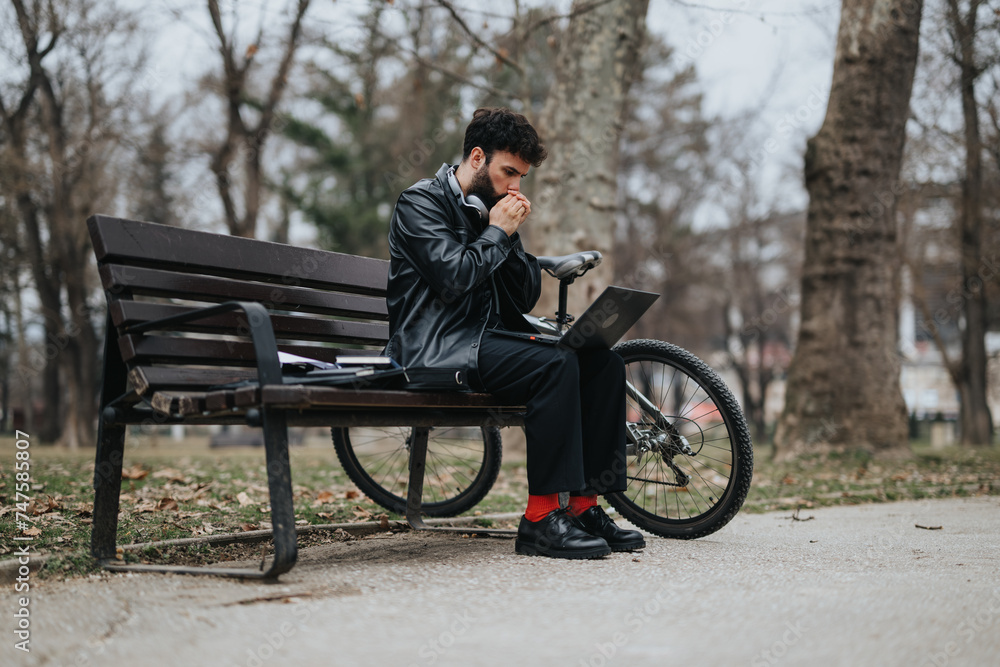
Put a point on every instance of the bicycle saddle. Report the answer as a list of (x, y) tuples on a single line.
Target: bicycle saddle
[(573, 265)]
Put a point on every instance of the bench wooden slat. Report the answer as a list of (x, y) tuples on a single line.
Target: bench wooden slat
[(159, 378), (302, 396), (127, 313), (118, 278), (119, 241), (137, 349), (183, 404)]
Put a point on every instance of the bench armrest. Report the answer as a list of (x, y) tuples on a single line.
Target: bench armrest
[(265, 345)]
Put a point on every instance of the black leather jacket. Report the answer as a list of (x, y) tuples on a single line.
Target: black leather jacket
[(450, 276)]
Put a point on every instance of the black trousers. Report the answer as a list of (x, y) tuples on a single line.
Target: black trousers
[(575, 420)]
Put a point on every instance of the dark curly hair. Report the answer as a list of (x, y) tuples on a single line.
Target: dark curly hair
[(503, 130)]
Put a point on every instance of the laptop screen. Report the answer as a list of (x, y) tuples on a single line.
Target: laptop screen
[(608, 318)]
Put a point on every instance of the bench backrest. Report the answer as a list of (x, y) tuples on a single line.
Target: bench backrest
[(320, 301)]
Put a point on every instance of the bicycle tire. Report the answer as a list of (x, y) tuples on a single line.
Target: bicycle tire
[(701, 412), (460, 468)]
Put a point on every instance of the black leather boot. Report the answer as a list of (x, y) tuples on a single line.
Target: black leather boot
[(599, 524), (558, 535)]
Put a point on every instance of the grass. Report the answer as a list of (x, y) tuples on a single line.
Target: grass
[(855, 477), (174, 490)]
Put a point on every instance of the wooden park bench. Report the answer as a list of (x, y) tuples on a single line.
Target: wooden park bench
[(191, 312)]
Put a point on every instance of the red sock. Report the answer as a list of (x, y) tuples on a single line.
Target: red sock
[(580, 504), (540, 506)]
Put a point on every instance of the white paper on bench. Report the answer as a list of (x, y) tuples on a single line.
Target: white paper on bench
[(296, 360)]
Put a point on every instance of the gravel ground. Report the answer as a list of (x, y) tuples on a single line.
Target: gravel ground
[(846, 586)]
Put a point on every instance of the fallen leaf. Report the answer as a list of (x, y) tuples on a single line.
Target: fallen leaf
[(247, 527), (788, 479), (361, 513), (135, 472), (171, 475), (167, 504), (324, 496), (32, 532), (351, 495)]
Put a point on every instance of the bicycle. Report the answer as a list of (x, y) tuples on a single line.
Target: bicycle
[(688, 450)]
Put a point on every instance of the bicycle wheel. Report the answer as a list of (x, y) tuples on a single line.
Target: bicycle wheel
[(689, 454), (462, 465)]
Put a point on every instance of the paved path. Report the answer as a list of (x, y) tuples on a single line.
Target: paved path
[(853, 586)]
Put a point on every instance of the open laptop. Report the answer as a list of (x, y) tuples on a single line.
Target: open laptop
[(602, 325)]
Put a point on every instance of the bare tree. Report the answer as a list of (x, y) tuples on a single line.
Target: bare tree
[(969, 373), (950, 224), (62, 128), (245, 140), (843, 386)]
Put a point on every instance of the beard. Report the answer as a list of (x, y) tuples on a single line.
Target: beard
[(482, 187)]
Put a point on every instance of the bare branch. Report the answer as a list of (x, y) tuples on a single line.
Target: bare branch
[(458, 77), (582, 9), (478, 40), (281, 76)]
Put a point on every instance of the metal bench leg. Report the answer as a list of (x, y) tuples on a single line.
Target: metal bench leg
[(415, 491), (109, 455), (107, 489), (415, 488), (279, 481)]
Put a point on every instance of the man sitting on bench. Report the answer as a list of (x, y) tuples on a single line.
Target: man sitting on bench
[(459, 275)]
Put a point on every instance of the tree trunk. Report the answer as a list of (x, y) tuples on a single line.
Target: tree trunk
[(975, 421), (843, 387), (581, 124), (48, 284)]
